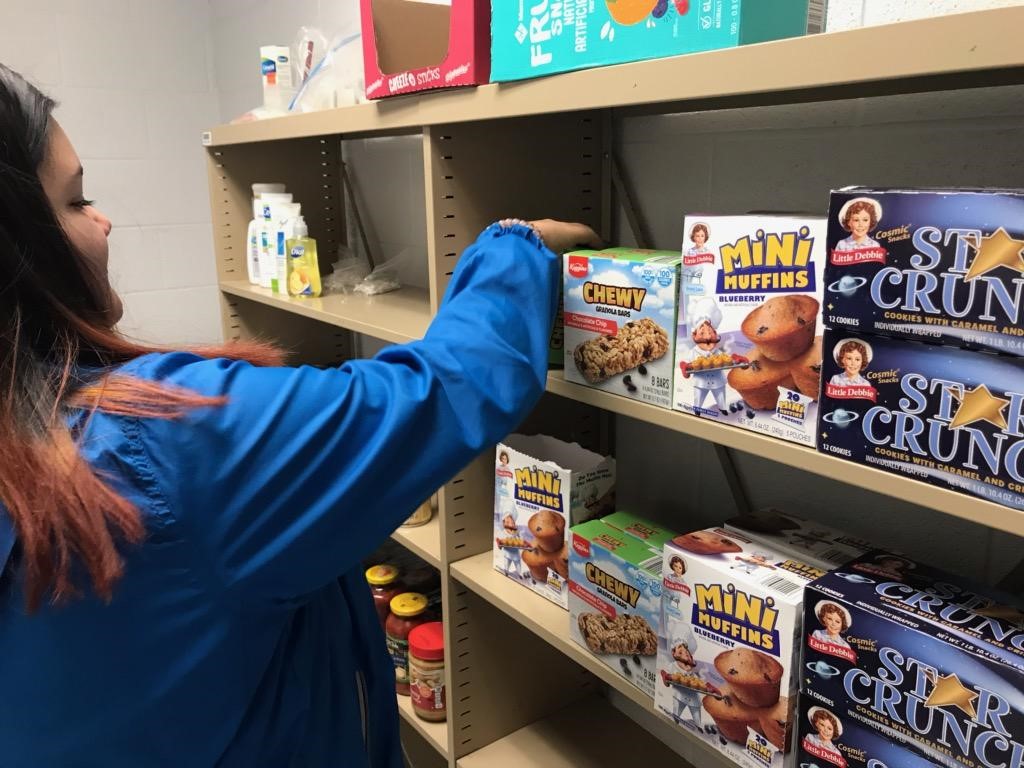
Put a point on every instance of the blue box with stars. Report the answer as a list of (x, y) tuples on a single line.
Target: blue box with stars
[(902, 662), (942, 266), (943, 415)]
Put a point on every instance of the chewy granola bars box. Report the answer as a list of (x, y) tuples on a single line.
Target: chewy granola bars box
[(947, 416), (890, 646), (728, 670), (542, 487), (933, 265), (820, 545), (615, 599), (748, 349), (620, 311)]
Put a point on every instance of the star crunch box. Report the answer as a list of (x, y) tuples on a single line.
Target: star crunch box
[(890, 648), (615, 599), (419, 45), (542, 37), (950, 417), (728, 661), (933, 265), (748, 345), (543, 487), (620, 311), (815, 543), (825, 740)]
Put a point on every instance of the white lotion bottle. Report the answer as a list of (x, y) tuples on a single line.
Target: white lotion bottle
[(286, 217)]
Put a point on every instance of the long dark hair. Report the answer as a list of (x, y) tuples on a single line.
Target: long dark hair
[(54, 326)]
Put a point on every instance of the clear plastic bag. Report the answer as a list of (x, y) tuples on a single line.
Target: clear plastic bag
[(337, 79), (348, 272), (383, 279)]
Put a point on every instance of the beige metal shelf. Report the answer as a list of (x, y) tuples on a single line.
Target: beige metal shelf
[(424, 540), (958, 50), (436, 734), (405, 315), (399, 317), (551, 624), (588, 734), (950, 502)]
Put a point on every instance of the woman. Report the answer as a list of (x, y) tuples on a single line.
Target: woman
[(859, 218), (182, 531), (699, 238), (854, 358), (828, 727), (833, 622)]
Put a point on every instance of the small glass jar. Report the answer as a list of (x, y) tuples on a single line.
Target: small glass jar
[(384, 586), (423, 514), (426, 672), (408, 611), (426, 580)]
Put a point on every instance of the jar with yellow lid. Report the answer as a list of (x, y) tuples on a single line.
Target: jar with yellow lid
[(384, 586), (408, 611)]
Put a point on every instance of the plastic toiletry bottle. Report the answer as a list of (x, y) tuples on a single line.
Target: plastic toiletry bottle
[(303, 266), (286, 217), (278, 77), (252, 238), (266, 230)]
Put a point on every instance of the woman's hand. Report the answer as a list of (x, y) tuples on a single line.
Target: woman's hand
[(561, 236)]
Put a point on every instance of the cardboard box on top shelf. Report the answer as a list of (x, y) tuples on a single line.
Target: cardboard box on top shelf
[(542, 37), (419, 45)]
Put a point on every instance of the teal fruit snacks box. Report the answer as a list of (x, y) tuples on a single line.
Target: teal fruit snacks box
[(531, 38)]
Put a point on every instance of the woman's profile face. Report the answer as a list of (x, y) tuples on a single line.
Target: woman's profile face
[(859, 224), (833, 623), (852, 363), (61, 176)]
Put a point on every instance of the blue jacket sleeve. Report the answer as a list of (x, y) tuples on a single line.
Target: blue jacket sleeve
[(304, 470)]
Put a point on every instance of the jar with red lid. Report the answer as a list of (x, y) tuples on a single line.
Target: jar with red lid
[(384, 586), (408, 611), (426, 672)]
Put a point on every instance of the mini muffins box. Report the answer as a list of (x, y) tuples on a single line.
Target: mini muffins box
[(946, 416), (819, 545), (620, 312), (825, 740), (748, 343), (615, 598), (732, 609), (932, 265), (890, 647), (543, 487)]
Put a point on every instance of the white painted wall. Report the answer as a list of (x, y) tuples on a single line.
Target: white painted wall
[(849, 14), (133, 81)]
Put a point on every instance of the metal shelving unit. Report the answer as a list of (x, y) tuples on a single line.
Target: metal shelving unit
[(543, 147)]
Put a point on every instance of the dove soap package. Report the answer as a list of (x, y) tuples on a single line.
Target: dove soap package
[(941, 266), (748, 340), (947, 416), (890, 647), (620, 313)]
